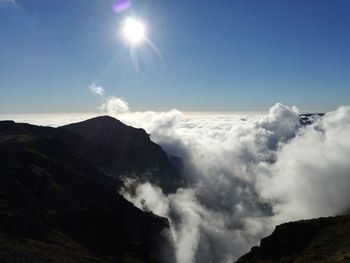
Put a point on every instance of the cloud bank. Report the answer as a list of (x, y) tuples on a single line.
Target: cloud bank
[(247, 176), (311, 176)]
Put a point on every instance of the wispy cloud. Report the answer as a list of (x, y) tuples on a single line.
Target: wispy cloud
[(110, 105), (98, 90)]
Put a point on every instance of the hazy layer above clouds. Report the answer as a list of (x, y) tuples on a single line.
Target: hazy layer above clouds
[(248, 174)]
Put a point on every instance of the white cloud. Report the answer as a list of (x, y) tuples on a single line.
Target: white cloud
[(311, 176), (114, 106), (98, 90), (247, 177), (111, 105), (159, 124)]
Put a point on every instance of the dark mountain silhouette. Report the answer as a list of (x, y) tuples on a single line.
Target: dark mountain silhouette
[(315, 240), (122, 150), (309, 118), (58, 202)]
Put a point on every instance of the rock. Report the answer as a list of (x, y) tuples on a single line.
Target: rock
[(315, 240)]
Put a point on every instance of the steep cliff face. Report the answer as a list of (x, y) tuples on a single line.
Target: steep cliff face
[(58, 204), (315, 240)]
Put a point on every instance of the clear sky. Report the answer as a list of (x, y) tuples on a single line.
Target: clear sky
[(224, 55)]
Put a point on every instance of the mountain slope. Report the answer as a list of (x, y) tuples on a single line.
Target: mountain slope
[(123, 150), (56, 205), (315, 240)]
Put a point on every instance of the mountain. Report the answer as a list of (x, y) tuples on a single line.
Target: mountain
[(315, 240), (59, 202), (309, 118), (121, 150)]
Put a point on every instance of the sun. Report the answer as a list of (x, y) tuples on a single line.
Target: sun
[(133, 30)]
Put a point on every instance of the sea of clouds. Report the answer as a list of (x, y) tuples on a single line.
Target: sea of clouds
[(247, 173)]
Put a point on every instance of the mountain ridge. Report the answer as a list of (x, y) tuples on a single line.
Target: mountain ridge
[(54, 198), (324, 239), (120, 148)]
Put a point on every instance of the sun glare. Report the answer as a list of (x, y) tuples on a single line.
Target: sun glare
[(133, 30)]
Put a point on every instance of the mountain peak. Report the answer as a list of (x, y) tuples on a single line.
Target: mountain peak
[(104, 121), (103, 129), (120, 148)]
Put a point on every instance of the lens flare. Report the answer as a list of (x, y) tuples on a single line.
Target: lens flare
[(121, 5), (133, 30)]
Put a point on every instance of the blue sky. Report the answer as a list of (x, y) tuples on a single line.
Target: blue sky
[(215, 55)]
